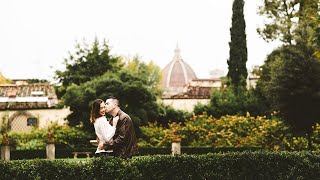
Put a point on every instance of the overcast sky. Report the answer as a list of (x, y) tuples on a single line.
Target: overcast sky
[(36, 35)]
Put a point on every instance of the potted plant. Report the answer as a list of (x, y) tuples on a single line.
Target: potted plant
[(176, 138), (50, 140)]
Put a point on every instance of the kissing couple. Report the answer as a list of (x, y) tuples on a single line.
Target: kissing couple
[(116, 137)]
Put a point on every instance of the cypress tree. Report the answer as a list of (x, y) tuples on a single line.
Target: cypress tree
[(238, 47)]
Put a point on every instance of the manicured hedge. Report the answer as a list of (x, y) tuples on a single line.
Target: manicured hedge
[(231, 165), (67, 153), (33, 154), (45, 169)]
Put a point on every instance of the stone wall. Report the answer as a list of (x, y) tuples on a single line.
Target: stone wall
[(44, 116), (184, 104)]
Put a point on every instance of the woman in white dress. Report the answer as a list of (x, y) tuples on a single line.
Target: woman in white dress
[(103, 129)]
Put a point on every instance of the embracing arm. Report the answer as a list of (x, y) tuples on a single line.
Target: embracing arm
[(104, 131), (122, 134)]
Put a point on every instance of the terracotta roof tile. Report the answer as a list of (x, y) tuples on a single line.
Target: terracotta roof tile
[(27, 96)]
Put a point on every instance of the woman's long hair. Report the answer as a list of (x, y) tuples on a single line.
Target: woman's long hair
[(95, 110)]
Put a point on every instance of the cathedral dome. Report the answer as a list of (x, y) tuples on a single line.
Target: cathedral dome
[(177, 74)]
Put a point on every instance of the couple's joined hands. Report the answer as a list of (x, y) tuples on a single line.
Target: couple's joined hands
[(102, 146)]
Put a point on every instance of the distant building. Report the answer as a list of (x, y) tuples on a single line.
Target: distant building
[(252, 80), (176, 75), (28, 105), (182, 89)]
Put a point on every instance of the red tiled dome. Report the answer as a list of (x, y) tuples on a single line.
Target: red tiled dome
[(177, 73)]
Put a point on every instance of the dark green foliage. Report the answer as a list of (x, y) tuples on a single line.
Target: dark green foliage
[(232, 101), (203, 108), (93, 73), (151, 73), (86, 64), (114, 168), (64, 136), (265, 73), (168, 167), (238, 47), (44, 169), (280, 15), (67, 153), (232, 165), (290, 82), (285, 17), (60, 152), (72, 137), (168, 114), (295, 87), (290, 79), (134, 95)]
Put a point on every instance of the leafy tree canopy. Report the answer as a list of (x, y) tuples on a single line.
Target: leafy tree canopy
[(284, 16), (87, 63), (134, 95), (290, 82), (297, 86), (150, 72)]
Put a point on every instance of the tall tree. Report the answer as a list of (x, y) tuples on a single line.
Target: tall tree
[(290, 77), (150, 72), (316, 38), (92, 72), (134, 95), (307, 24), (264, 73), (283, 17), (238, 47), (294, 87), (87, 63)]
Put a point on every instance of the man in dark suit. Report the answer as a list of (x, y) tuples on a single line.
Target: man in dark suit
[(124, 142)]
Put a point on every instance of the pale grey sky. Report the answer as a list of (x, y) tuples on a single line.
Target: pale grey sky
[(36, 35)]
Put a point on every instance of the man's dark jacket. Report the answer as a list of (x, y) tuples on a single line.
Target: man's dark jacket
[(124, 143)]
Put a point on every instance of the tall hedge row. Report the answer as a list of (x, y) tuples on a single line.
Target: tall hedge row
[(232, 165)]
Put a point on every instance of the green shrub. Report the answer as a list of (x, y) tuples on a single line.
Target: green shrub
[(232, 165), (72, 137), (67, 153), (225, 101), (243, 165), (228, 131), (30, 140), (63, 136), (46, 169), (152, 136), (114, 168), (168, 114)]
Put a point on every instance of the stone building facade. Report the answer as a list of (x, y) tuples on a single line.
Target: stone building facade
[(25, 106)]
